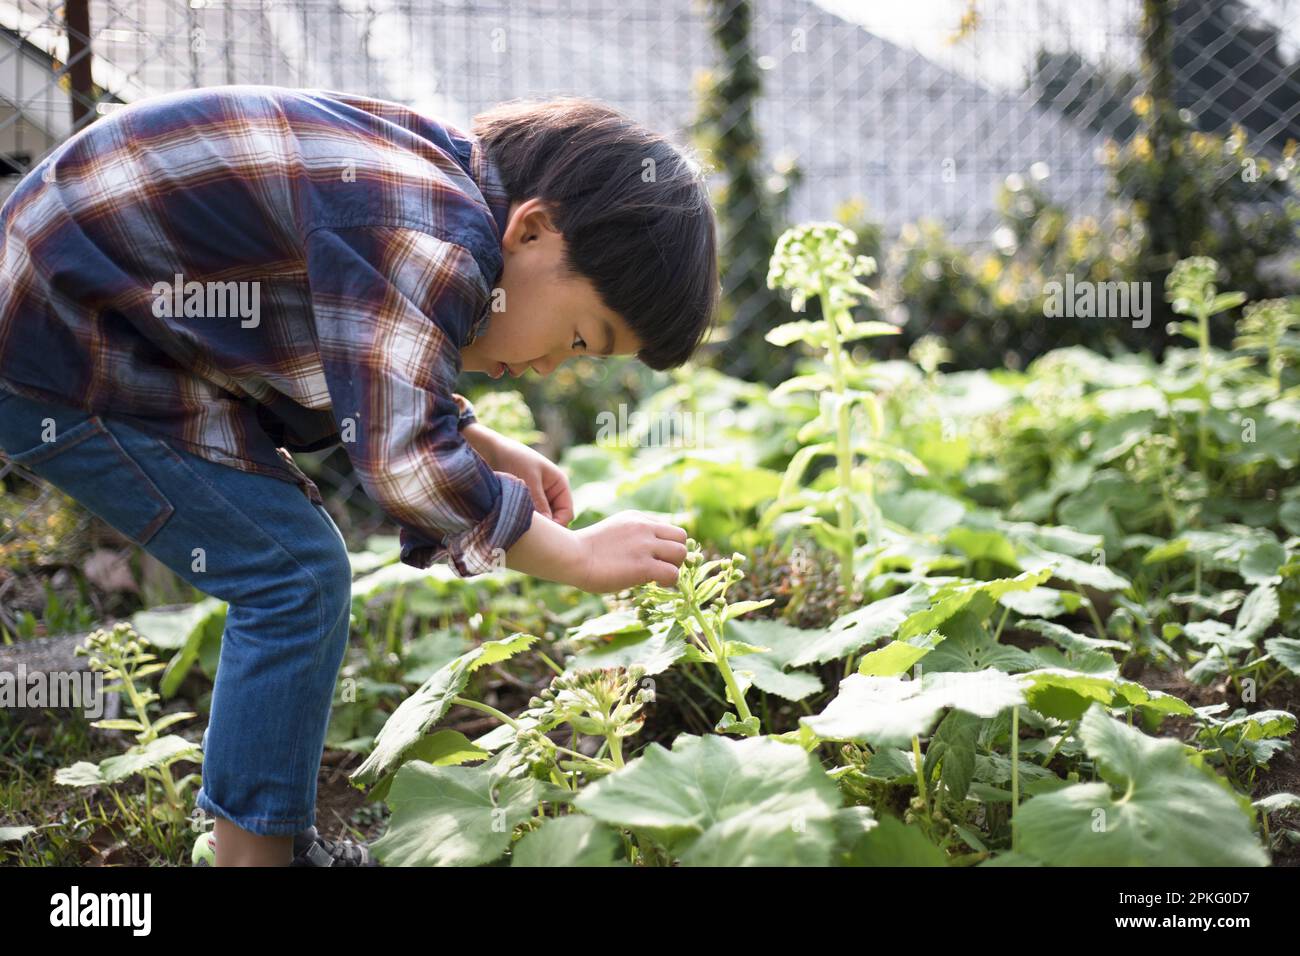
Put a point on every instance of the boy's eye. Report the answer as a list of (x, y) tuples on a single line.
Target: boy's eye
[(578, 343)]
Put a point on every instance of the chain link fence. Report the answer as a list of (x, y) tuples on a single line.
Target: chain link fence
[(917, 112)]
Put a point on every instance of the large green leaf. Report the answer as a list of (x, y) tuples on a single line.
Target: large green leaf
[(970, 646), (952, 598), (572, 840), (863, 626), (1257, 613), (453, 816), (1065, 694), (1042, 602), (416, 715), (1083, 573), (898, 657), (157, 753), (715, 801), (656, 650), (766, 670), (889, 712), (1155, 808), (953, 749), (1286, 651), (893, 843), (1069, 640)]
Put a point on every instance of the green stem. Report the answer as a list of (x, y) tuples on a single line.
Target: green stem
[(1015, 770), (487, 709), (720, 661), (1202, 432), (1001, 621), (1092, 613), (843, 444), (1059, 741), (920, 774)]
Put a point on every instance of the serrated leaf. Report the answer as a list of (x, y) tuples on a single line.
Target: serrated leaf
[(889, 712), (970, 646), (416, 715), (952, 598), (453, 816), (656, 650), (1286, 651), (1066, 695), (1070, 640), (952, 749), (446, 748), (713, 801), (156, 753), (572, 840), (1083, 573), (1259, 610), (898, 657), (1155, 809), (1041, 602), (1261, 562), (863, 626), (893, 843)]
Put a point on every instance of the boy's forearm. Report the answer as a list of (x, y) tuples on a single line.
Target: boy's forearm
[(481, 438), (549, 551)]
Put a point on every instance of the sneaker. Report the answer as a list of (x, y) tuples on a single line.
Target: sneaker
[(205, 850), (312, 849), (309, 849)]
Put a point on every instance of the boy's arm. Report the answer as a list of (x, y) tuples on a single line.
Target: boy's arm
[(391, 306)]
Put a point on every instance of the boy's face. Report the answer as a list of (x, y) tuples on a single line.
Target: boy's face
[(546, 316)]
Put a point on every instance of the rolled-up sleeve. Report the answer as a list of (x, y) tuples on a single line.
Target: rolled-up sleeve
[(466, 410), (392, 306)]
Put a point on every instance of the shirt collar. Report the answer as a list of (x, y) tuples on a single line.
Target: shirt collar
[(487, 177)]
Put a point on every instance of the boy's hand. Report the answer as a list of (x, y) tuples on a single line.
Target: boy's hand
[(548, 484), (628, 549)]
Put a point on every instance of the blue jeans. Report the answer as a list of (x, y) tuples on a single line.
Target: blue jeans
[(256, 542)]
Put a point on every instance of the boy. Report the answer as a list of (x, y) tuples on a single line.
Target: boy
[(204, 279)]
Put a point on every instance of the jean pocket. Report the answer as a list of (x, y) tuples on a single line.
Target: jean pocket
[(87, 462)]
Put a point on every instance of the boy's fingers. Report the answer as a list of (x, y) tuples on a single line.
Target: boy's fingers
[(665, 574), (670, 532), (561, 498), (674, 552), (539, 501)]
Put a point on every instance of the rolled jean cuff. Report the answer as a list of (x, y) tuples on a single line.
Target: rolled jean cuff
[(262, 826)]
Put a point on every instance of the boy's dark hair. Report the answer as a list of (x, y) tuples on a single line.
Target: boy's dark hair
[(642, 232)]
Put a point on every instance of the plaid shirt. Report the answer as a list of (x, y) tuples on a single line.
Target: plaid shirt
[(243, 270)]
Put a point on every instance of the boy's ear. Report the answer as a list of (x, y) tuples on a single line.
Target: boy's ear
[(527, 220)]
